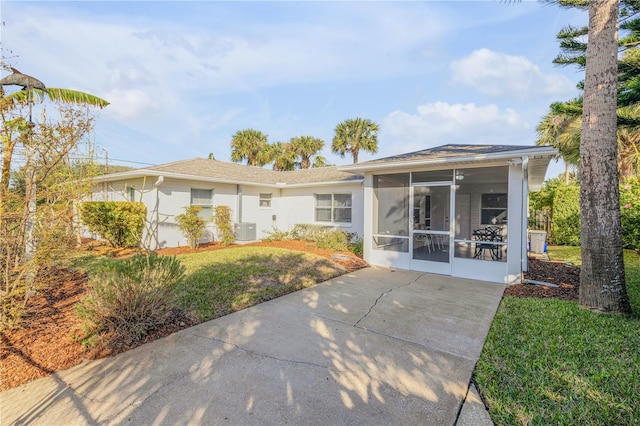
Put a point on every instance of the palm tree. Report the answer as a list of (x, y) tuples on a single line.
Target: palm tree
[(561, 131), (14, 130), (319, 161), (602, 277), (355, 135), (283, 156), (250, 145), (562, 126), (306, 147)]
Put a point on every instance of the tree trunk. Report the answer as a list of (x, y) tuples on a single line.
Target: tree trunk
[(602, 280), (7, 156)]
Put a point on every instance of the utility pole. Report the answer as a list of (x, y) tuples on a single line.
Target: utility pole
[(106, 160)]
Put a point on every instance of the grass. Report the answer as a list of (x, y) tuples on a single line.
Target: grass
[(548, 361), (223, 281), (631, 263)]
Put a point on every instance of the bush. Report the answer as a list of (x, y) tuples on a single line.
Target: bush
[(630, 212), (277, 235), (192, 225), (566, 215), (119, 222), (129, 298), (326, 237), (224, 224)]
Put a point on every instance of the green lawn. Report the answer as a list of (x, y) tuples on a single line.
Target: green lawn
[(223, 281), (549, 362)]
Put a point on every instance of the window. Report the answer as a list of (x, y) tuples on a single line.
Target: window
[(333, 208), (265, 200), (204, 199), (131, 194), (493, 209)]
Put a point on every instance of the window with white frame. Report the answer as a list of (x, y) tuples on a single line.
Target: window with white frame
[(493, 210), (333, 208), (203, 198), (265, 200)]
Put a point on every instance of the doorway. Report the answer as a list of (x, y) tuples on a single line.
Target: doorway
[(430, 242)]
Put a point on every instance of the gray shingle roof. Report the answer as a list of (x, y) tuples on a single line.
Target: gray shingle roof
[(450, 151), (201, 167)]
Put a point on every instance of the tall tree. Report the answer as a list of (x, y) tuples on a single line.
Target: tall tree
[(602, 277), (283, 156), (307, 147), (561, 130), (355, 135), (15, 113), (250, 145), (573, 45)]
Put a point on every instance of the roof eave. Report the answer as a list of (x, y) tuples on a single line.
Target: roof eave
[(142, 173), (482, 158)]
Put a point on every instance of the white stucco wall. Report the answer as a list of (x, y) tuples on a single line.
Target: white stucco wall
[(298, 206), (289, 206)]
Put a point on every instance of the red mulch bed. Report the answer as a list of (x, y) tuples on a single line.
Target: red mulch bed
[(46, 344), (566, 276)]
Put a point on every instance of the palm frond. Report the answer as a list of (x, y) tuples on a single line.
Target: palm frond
[(56, 95)]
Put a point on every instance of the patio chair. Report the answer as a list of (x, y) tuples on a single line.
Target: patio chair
[(486, 238)]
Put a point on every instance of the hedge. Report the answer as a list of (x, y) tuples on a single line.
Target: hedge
[(119, 222), (566, 215), (630, 212)]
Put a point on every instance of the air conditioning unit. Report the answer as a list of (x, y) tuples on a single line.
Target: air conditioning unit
[(245, 231)]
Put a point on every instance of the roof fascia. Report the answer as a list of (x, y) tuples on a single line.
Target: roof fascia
[(550, 152), (141, 173)]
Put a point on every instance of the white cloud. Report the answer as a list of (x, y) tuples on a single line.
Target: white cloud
[(498, 74), (440, 123), (129, 104)]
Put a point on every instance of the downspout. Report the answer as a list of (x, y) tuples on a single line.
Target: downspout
[(156, 185), (525, 213), (239, 195)]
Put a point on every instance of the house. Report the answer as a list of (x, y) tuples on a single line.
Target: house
[(261, 200), (457, 210)]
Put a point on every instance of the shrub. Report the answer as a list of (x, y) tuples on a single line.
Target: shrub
[(630, 212), (224, 224), (192, 225), (277, 235), (566, 215), (357, 246), (129, 298), (119, 222), (325, 237)]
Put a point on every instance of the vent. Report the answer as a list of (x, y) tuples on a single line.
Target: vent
[(245, 231)]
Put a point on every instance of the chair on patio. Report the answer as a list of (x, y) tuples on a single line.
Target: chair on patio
[(487, 237)]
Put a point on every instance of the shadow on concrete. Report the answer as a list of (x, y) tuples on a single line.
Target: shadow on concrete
[(370, 347)]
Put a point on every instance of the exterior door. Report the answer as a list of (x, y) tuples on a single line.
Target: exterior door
[(430, 240)]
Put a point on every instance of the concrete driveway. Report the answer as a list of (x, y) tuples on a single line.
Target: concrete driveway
[(376, 346)]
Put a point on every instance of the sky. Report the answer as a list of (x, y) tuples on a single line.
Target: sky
[(183, 77)]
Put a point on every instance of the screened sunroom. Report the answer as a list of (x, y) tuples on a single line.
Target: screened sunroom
[(457, 210)]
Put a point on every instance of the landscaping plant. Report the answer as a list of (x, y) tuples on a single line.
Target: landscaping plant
[(224, 224), (130, 298), (192, 225), (119, 222)]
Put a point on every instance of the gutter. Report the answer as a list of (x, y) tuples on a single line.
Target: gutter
[(448, 161), (134, 174)]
